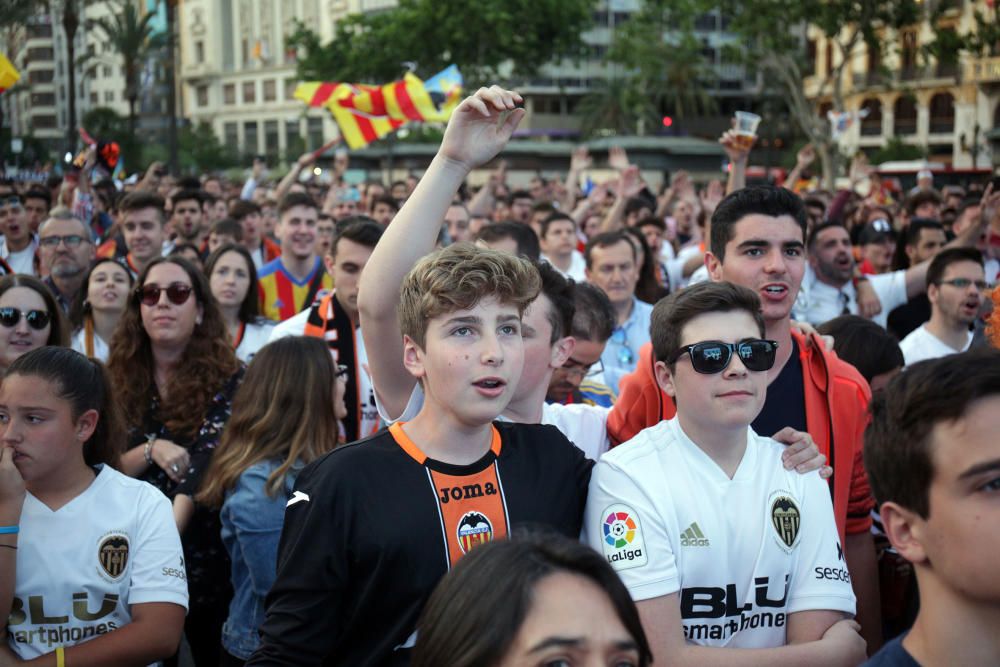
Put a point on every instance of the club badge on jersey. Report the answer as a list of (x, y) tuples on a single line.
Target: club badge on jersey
[(785, 519)]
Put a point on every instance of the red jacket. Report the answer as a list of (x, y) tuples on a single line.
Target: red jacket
[(837, 399)]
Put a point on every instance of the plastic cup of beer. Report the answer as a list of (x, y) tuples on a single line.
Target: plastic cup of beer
[(746, 129)]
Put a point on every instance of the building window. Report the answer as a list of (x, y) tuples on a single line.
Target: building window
[(199, 52), (93, 98), (942, 110), (294, 145), (290, 85), (231, 134), (871, 125), (270, 91), (109, 96), (202, 95), (41, 53), (314, 130), (45, 100), (229, 93), (904, 116), (271, 137), (249, 92), (829, 57), (106, 71), (44, 122), (41, 76), (250, 143)]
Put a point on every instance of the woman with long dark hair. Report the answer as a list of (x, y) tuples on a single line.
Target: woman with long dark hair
[(99, 305), (175, 372)]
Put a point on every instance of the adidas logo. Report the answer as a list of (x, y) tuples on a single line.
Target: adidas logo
[(693, 537)]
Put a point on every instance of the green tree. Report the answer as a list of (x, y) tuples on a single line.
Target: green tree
[(781, 52), (482, 38), (132, 37), (614, 106), (105, 124), (896, 149), (200, 150), (664, 59)]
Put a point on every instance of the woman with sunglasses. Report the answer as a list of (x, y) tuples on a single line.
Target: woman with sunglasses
[(233, 280), (286, 414), (175, 372), (99, 305), (29, 318), (89, 559)]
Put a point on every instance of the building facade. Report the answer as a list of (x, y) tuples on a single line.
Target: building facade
[(946, 109)]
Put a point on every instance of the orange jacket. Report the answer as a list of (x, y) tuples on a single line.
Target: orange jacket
[(837, 399)]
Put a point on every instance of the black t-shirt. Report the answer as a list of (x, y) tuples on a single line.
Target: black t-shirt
[(373, 526), (906, 318), (892, 655), (786, 400)]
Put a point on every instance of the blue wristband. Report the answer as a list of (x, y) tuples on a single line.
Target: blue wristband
[(9, 530)]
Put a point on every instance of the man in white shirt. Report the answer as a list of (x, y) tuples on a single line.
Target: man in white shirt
[(829, 290), (558, 241), (722, 549), (955, 286)]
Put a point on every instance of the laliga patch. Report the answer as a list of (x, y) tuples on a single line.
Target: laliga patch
[(785, 519), (622, 540)]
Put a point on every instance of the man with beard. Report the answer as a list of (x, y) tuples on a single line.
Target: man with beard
[(186, 218), (955, 286), (829, 289), (65, 251)]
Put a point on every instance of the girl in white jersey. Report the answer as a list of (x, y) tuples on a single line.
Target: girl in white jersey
[(91, 570)]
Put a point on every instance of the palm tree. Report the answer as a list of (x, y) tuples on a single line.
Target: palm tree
[(133, 38), (614, 105)]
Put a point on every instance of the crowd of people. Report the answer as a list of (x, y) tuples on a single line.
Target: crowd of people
[(578, 423)]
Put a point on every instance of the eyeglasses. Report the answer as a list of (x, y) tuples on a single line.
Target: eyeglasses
[(37, 319), (341, 371), (177, 293), (71, 241), (625, 355), (583, 370), (963, 283), (711, 357)]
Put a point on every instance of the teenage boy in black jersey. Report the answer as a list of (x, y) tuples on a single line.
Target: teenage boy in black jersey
[(372, 526)]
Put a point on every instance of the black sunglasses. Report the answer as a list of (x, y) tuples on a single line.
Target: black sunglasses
[(37, 319), (713, 357), (177, 293)]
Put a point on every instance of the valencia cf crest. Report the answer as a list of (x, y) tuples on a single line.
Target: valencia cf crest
[(112, 554), (785, 518), (473, 529)]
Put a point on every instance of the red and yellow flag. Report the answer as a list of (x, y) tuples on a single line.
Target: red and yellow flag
[(8, 73), (358, 126), (402, 100)]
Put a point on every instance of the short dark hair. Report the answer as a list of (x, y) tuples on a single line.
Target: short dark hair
[(38, 193), (947, 257), (189, 183), (636, 204), (911, 235), (519, 194), (186, 195), (227, 227), (468, 599), (558, 216), (241, 208), (594, 318), (652, 221), (543, 207), (387, 200), (606, 240), (523, 235), (559, 291), (897, 452), (672, 313), (141, 199), (755, 199), (918, 199), (864, 344), (819, 229), (293, 199), (363, 231)]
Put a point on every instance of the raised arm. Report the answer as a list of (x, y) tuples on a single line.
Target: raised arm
[(479, 129), (738, 158)]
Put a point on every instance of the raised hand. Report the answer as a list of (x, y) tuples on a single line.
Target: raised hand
[(481, 126), (630, 182), (618, 158), (805, 157), (580, 159), (737, 146), (989, 205)]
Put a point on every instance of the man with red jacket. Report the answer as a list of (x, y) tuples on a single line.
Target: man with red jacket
[(758, 241)]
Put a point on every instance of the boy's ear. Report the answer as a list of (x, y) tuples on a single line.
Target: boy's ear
[(664, 378), (906, 531), (713, 265), (413, 357), (562, 351)]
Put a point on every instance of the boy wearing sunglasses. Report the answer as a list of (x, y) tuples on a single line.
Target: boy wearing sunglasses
[(721, 547)]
